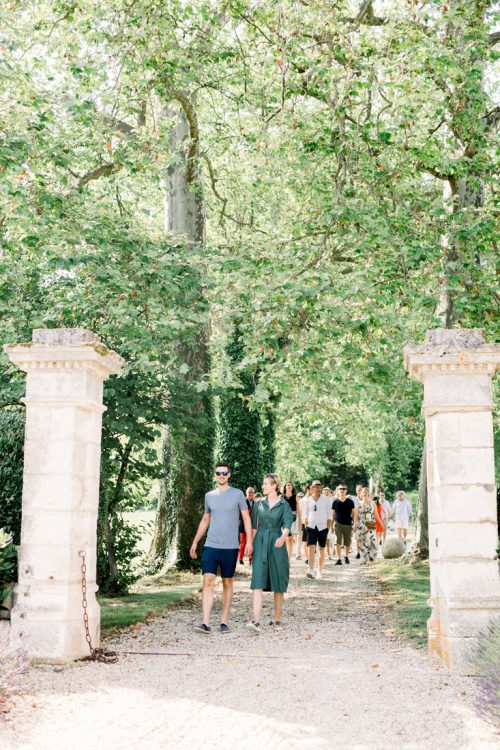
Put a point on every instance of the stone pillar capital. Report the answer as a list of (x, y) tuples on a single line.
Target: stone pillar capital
[(65, 349), (452, 352)]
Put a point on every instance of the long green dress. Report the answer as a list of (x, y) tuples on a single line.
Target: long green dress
[(270, 565)]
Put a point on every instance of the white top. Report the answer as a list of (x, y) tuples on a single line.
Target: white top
[(402, 509), (387, 507), (321, 515), (303, 501)]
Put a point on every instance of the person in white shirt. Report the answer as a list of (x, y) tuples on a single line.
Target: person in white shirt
[(356, 500), (303, 502), (388, 513), (402, 511), (318, 520)]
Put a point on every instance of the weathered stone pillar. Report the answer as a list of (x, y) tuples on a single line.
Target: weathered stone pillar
[(64, 392), (456, 368)]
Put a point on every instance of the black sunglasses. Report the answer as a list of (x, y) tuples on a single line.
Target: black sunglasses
[(221, 473)]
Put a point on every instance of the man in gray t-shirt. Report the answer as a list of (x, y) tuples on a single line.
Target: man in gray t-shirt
[(221, 519), (224, 509)]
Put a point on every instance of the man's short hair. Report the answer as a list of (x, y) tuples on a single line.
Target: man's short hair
[(342, 487), (250, 489), (222, 463)]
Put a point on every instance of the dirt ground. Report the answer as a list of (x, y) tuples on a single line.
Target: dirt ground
[(335, 675)]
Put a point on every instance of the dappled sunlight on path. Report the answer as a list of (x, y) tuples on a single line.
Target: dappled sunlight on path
[(335, 674)]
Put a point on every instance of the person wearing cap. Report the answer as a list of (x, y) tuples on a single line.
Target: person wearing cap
[(318, 520)]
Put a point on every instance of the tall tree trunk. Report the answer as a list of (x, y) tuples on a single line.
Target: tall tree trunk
[(420, 548), (188, 442)]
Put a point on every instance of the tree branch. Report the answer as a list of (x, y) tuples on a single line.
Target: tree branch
[(194, 130), (494, 38), (491, 119), (94, 174)]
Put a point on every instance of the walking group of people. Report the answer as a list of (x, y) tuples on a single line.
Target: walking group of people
[(270, 529)]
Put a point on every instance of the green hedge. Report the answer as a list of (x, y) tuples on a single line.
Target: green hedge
[(11, 470)]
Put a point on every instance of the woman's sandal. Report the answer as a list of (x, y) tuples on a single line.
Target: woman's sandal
[(254, 627)]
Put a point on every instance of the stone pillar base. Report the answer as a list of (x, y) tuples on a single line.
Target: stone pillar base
[(453, 629)]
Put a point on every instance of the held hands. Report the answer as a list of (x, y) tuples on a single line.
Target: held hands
[(249, 550), (280, 542), (193, 552)]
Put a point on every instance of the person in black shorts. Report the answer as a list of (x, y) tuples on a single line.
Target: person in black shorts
[(343, 517), (318, 520), (221, 518)]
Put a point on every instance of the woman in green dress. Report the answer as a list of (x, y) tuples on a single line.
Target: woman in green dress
[(272, 520)]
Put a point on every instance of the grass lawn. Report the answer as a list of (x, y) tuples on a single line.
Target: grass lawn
[(152, 597), (408, 588)]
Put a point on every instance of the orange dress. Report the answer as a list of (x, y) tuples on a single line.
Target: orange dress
[(378, 527)]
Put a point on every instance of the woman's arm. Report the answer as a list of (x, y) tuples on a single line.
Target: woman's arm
[(286, 525)]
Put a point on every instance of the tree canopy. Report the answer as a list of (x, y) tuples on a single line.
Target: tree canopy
[(345, 154)]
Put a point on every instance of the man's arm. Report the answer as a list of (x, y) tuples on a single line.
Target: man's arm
[(202, 530), (247, 522)]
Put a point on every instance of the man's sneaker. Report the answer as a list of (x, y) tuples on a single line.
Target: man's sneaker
[(223, 628), (346, 560), (319, 575), (358, 556), (254, 627), (204, 629), (339, 562), (311, 574)]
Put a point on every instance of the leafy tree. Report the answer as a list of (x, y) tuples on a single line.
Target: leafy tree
[(239, 440)]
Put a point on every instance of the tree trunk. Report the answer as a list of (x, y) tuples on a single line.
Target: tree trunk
[(420, 548), (166, 515), (188, 441)]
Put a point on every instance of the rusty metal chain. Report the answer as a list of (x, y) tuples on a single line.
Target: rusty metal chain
[(96, 654)]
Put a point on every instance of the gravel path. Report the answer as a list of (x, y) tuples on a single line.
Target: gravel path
[(335, 675)]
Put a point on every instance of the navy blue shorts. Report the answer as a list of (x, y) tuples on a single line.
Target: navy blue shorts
[(214, 558)]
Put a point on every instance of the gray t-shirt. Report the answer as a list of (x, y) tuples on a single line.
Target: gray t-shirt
[(224, 509)]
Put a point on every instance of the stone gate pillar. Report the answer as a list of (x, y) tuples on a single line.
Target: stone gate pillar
[(456, 368), (64, 393)]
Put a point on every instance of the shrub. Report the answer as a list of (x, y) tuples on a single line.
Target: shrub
[(8, 567), (11, 470), (117, 576), (13, 664), (486, 664)]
